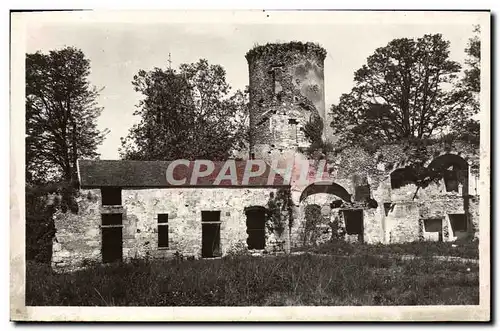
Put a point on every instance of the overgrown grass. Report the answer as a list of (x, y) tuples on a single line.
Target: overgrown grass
[(257, 281), (465, 249)]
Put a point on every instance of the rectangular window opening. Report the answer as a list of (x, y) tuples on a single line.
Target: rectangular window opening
[(433, 225), (162, 218), (458, 222), (210, 216), (111, 196), (163, 241), (353, 221), (111, 219)]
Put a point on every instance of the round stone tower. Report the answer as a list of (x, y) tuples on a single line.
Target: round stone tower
[(287, 98)]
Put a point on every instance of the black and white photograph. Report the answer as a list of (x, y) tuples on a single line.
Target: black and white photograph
[(233, 164)]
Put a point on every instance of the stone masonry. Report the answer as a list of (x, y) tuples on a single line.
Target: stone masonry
[(78, 238)]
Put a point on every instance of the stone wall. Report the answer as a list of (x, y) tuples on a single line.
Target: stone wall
[(373, 231), (397, 217), (372, 224), (402, 222), (400, 213), (184, 207), (404, 218), (78, 237), (286, 92)]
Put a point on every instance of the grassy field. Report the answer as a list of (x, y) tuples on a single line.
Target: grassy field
[(256, 281), (464, 249)]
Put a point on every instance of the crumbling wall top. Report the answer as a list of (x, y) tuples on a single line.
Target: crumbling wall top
[(274, 49)]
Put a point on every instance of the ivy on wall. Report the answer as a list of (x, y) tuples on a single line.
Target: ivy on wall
[(279, 211), (313, 130), (313, 218), (338, 227), (285, 51), (42, 202)]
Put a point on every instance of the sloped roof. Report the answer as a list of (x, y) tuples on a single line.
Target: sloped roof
[(152, 174)]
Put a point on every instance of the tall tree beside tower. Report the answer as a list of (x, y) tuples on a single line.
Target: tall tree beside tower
[(190, 113), (404, 93)]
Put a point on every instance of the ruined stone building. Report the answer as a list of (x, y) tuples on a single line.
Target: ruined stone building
[(128, 210)]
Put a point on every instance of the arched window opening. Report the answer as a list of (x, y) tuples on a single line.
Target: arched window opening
[(402, 177), (454, 170), (326, 187)]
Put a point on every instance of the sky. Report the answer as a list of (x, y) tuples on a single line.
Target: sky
[(118, 50)]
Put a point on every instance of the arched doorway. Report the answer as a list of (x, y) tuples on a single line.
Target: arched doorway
[(344, 218)]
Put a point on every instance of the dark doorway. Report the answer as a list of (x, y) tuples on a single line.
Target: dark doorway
[(354, 223), (112, 244), (256, 228), (210, 238), (458, 222), (210, 234), (459, 225)]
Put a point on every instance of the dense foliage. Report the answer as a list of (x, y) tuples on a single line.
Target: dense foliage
[(61, 115), (472, 79), (409, 104), (190, 113), (279, 211), (285, 49), (405, 92)]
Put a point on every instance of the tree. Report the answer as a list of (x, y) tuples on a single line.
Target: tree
[(61, 115), (473, 73), (469, 129), (187, 114), (403, 94)]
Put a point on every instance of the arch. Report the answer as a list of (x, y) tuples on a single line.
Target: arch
[(458, 173), (447, 160), (326, 187), (402, 177)]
